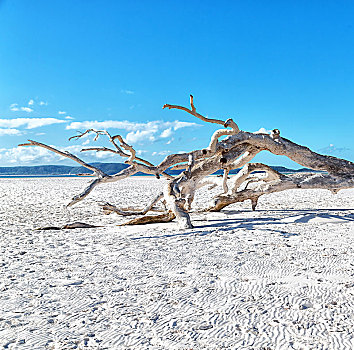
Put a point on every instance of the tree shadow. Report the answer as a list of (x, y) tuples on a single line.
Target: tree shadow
[(230, 224), (234, 212)]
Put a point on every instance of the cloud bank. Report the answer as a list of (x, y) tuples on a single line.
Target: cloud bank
[(137, 132), (29, 123)]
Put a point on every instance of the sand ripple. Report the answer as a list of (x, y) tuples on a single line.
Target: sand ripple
[(277, 278)]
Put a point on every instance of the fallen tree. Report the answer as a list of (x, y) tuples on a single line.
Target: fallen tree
[(233, 152)]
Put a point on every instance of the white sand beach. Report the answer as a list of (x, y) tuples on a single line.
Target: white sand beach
[(281, 277)]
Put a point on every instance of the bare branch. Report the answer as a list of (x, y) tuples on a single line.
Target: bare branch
[(224, 180), (151, 219), (127, 148), (108, 208), (99, 149), (97, 171), (227, 123), (306, 181), (299, 154), (118, 151)]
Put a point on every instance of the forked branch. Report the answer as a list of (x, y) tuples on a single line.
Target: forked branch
[(234, 152), (228, 123), (66, 154)]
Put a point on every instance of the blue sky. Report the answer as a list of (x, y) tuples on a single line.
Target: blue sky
[(69, 65)]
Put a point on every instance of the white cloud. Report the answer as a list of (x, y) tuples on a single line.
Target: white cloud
[(263, 131), (161, 153), (105, 155), (178, 125), (129, 126), (164, 153), (31, 102), (138, 136), (166, 133), (107, 124), (170, 141), (15, 108), (26, 109), (26, 155), (9, 132), (29, 155), (61, 112), (42, 103), (29, 123), (138, 132), (128, 92), (68, 117)]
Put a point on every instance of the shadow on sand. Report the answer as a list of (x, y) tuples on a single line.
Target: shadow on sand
[(230, 224)]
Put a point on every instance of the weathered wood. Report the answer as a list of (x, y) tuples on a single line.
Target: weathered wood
[(235, 151), (151, 219), (71, 226), (109, 208), (306, 181)]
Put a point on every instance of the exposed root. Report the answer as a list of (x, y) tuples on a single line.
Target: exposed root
[(68, 226), (109, 209), (151, 219)]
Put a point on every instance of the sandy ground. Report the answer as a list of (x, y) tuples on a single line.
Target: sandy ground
[(281, 277)]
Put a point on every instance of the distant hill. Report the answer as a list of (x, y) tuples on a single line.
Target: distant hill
[(36, 170), (108, 168)]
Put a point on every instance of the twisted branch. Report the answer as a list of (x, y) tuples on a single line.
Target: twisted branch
[(233, 152), (66, 154)]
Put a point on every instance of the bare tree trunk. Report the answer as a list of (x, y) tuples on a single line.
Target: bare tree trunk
[(235, 151)]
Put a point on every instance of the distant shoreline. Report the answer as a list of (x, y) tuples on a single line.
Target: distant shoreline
[(107, 168), (61, 175), (85, 176)]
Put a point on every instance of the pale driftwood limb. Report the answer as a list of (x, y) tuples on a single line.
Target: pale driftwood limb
[(309, 181), (108, 208), (179, 193), (194, 112), (244, 176), (151, 219), (100, 149), (176, 204), (97, 171), (131, 170), (299, 154), (246, 171), (68, 226), (117, 150), (102, 177), (214, 139), (249, 153), (98, 133), (85, 192), (127, 148), (224, 180), (185, 165)]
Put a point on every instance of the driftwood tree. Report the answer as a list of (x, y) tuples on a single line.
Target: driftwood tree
[(234, 151)]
